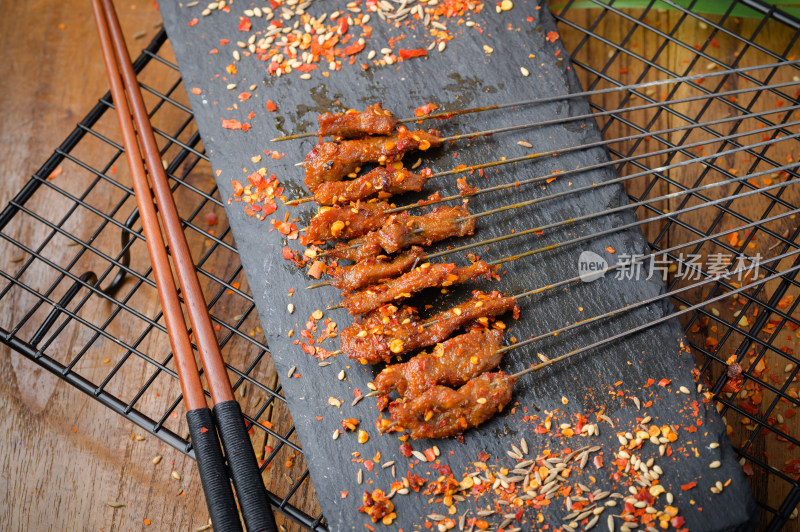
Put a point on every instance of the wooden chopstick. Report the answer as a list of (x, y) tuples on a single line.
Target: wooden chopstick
[(228, 415)]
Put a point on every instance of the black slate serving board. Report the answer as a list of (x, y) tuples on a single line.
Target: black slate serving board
[(464, 75)]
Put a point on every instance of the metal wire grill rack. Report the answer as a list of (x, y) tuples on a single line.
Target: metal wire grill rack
[(78, 269)]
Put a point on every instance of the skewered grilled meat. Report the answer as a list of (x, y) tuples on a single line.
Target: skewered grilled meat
[(374, 120), (424, 276), (452, 363), (383, 181), (442, 412), (405, 230), (370, 271), (388, 331), (331, 161), (346, 221)]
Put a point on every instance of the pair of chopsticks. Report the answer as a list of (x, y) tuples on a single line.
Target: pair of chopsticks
[(225, 422)]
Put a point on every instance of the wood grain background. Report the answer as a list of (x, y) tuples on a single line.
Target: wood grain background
[(64, 455)]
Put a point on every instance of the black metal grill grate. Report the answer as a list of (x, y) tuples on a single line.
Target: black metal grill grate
[(85, 251)]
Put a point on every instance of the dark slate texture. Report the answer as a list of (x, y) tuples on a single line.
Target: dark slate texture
[(463, 76)]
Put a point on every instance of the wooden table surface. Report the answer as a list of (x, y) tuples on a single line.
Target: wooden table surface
[(64, 456)]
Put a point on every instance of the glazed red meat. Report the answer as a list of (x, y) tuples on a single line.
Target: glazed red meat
[(374, 120), (426, 275), (452, 363), (404, 230), (383, 181), (331, 161), (346, 221), (442, 412), (370, 271), (389, 331)]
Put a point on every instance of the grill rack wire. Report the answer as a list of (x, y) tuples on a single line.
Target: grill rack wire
[(51, 280)]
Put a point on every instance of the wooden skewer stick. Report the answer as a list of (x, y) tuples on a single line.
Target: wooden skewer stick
[(613, 210), (624, 264), (601, 143), (574, 95), (616, 337)]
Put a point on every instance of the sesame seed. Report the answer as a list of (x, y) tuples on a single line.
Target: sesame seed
[(175, 475), (525, 72), (340, 376), (156, 459), (715, 464), (291, 371)]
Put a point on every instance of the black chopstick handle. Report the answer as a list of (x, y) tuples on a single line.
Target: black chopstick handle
[(247, 480), (213, 473)]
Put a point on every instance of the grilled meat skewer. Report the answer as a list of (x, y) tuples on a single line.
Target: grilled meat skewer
[(383, 181), (331, 161), (389, 331), (374, 120), (346, 221), (348, 279), (404, 230), (451, 363), (426, 275), (441, 412)]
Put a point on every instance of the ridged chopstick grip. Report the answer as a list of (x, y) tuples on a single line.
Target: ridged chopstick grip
[(242, 463), (213, 473)]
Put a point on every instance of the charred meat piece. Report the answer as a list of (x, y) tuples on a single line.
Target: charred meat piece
[(372, 339), (405, 230), (383, 181), (374, 120), (389, 331), (346, 221), (331, 161), (426, 275), (370, 271), (442, 412), (452, 363)]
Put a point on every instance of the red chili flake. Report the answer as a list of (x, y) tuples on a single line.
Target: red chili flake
[(552, 36), (243, 97), (611, 250), (677, 521), (483, 457), (353, 48), (316, 269), (405, 450), (306, 67), (197, 90), (271, 106), (203, 430), (237, 188), (244, 24), (193, 22), (430, 455), (343, 25), (690, 485), (287, 253), (650, 382), (664, 382), (231, 124), (408, 54), (344, 494), (55, 173)]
